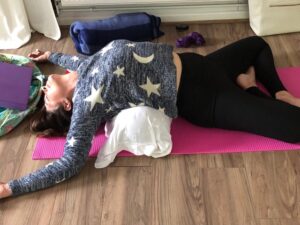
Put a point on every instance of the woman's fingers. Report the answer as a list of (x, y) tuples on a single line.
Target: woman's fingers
[(36, 53), (33, 55), (4, 190), (39, 56), (36, 58)]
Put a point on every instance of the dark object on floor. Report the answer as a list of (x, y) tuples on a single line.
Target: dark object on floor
[(182, 27), (192, 38), (91, 36)]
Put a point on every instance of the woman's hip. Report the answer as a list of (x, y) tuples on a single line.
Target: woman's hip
[(195, 97)]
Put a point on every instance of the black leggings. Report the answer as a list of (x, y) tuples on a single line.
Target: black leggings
[(209, 96)]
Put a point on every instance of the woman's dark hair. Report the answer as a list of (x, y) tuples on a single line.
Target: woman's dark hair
[(55, 123)]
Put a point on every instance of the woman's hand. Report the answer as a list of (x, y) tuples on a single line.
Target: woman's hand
[(4, 190), (39, 56)]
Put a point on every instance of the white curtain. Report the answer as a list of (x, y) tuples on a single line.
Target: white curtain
[(19, 17)]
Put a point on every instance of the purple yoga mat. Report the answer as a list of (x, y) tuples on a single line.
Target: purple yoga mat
[(14, 85), (190, 139)]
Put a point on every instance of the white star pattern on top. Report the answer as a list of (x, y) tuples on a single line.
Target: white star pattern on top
[(95, 97), (119, 71), (161, 110), (130, 45), (108, 110), (106, 48), (49, 164), (150, 87), (59, 181), (134, 105), (95, 70), (72, 141), (75, 58)]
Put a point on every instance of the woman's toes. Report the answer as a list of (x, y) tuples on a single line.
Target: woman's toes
[(250, 70), (251, 73)]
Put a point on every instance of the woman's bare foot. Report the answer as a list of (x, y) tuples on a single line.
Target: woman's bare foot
[(247, 80), (287, 97)]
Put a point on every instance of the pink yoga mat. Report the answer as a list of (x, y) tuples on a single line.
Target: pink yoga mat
[(190, 139)]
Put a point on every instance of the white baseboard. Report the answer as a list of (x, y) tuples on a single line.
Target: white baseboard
[(166, 13)]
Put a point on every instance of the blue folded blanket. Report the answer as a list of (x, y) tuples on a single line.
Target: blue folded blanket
[(91, 36)]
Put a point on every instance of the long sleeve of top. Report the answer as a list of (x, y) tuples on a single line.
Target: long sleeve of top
[(70, 62), (123, 74)]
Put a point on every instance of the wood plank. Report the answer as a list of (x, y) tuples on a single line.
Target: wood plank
[(278, 222), (272, 185), (127, 196), (268, 222), (226, 197), (178, 192)]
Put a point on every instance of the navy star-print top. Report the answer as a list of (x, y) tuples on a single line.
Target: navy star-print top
[(123, 74)]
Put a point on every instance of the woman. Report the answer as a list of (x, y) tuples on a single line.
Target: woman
[(217, 90)]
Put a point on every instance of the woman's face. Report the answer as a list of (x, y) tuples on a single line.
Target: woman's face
[(55, 92)]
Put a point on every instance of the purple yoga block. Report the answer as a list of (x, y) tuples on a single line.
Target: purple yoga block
[(14, 86)]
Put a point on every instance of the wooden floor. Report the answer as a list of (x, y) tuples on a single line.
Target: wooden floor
[(211, 189)]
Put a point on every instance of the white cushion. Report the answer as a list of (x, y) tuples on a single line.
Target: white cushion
[(140, 130), (269, 17)]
